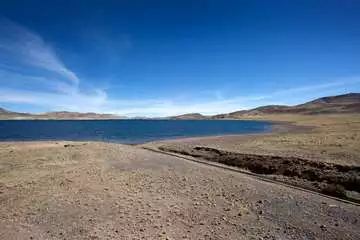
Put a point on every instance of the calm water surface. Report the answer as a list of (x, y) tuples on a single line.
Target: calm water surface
[(123, 131)]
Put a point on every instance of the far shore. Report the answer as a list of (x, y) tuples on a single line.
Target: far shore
[(332, 138)]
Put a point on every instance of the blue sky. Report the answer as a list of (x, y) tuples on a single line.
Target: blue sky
[(159, 58)]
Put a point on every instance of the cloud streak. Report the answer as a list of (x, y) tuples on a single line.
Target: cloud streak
[(32, 73), (28, 48)]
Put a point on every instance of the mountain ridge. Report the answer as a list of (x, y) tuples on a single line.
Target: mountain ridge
[(339, 104)]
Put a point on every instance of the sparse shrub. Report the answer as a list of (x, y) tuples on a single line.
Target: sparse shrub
[(311, 174), (335, 190)]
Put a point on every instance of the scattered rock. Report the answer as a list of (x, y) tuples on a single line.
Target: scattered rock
[(68, 145)]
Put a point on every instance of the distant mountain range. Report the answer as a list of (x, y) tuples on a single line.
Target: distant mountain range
[(346, 103), (6, 114)]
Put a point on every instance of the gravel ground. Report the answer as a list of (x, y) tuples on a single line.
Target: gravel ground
[(83, 190)]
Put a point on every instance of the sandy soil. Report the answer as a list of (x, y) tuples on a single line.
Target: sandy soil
[(66, 190)]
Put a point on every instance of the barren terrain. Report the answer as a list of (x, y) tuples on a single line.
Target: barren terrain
[(89, 190), (66, 190)]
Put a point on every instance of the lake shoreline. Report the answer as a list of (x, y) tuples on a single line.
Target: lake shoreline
[(277, 126)]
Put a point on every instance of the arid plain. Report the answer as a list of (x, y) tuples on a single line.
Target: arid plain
[(92, 190)]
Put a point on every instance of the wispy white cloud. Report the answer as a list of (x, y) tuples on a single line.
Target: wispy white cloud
[(32, 73), (316, 87), (55, 101), (29, 48)]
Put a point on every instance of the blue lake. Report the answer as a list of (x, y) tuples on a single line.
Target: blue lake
[(124, 131)]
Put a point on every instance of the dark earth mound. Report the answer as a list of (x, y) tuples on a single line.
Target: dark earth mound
[(331, 179)]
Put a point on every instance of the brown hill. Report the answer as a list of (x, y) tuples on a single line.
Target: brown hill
[(347, 103), (3, 110), (189, 116)]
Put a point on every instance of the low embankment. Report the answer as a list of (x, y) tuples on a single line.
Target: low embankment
[(331, 179)]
